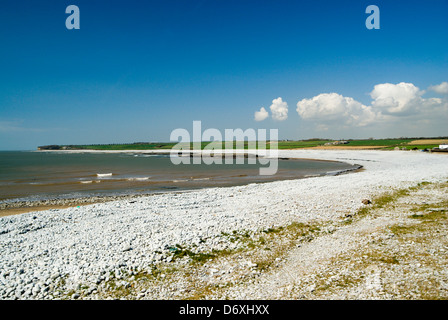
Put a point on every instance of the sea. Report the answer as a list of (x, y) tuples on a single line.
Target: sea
[(37, 175)]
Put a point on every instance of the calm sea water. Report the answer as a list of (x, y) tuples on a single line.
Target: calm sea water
[(46, 175)]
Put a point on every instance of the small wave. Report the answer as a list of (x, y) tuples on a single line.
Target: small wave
[(87, 181), (138, 179), (104, 174), (180, 180), (202, 179)]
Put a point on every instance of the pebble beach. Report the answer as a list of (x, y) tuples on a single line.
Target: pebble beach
[(49, 253)]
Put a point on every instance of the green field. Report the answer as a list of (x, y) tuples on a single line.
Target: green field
[(301, 144), (379, 142), (386, 144), (130, 146), (168, 146)]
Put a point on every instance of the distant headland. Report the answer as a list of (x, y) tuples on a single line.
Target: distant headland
[(415, 143)]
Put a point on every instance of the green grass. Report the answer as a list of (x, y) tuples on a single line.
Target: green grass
[(378, 142), (385, 200), (148, 146), (301, 144), (200, 258), (383, 143), (428, 221), (219, 145)]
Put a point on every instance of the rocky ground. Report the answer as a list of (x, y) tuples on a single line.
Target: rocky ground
[(300, 239), (395, 248)]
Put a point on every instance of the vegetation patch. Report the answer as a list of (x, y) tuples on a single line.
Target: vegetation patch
[(396, 246)]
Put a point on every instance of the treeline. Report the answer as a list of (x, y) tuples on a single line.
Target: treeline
[(151, 145), (85, 146), (112, 144)]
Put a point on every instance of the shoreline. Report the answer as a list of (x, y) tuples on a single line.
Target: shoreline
[(11, 207), (26, 206), (49, 255)]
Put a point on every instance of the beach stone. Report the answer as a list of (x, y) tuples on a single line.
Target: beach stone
[(83, 242), (438, 209), (213, 271)]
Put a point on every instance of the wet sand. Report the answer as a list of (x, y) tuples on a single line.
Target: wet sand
[(14, 211)]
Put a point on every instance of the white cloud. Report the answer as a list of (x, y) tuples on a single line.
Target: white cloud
[(322, 127), (335, 107), (279, 109), (396, 98), (261, 115), (440, 88), (391, 103), (405, 99)]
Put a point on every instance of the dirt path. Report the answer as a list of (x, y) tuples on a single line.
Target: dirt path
[(398, 250)]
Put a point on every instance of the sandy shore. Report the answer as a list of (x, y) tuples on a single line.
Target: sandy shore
[(58, 252)]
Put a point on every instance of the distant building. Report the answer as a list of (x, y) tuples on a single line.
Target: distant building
[(334, 143)]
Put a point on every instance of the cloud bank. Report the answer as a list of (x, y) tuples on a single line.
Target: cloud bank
[(396, 98), (394, 109), (390, 102), (329, 107), (440, 88)]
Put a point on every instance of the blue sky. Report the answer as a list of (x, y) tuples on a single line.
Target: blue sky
[(136, 70)]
